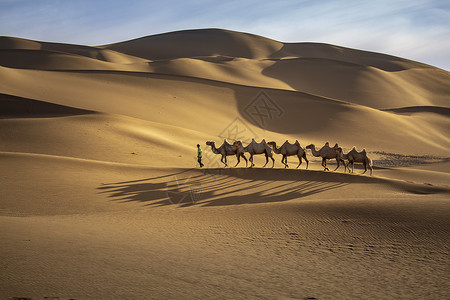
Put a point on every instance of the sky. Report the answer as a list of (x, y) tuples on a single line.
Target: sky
[(413, 29)]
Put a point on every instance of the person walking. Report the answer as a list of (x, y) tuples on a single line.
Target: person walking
[(199, 155)]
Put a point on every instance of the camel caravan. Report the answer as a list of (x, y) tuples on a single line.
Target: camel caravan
[(287, 149)]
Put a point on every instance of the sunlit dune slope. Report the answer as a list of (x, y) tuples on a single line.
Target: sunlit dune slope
[(210, 108)]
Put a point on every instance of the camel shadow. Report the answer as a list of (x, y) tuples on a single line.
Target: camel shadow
[(223, 187)]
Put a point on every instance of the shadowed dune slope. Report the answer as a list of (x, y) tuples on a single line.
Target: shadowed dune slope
[(17, 107)]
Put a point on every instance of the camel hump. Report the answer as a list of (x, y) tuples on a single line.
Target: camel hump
[(327, 144), (336, 146), (363, 151)]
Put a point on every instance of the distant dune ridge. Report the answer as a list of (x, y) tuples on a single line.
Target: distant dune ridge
[(98, 146), (314, 83)]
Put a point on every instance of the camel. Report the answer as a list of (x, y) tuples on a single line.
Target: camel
[(256, 148), (288, 149), (360, 157), (228, 149), (327, 152)]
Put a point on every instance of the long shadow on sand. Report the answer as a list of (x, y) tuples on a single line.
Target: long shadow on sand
[(220, 187)]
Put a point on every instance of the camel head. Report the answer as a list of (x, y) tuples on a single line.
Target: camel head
[(273, 144), (210, 143), (238, 143), (310, 146)]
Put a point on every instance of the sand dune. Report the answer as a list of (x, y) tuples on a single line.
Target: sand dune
[(366, 78), (102, 197), (148, 234), (194, 43), (11, 43), (146, 96)]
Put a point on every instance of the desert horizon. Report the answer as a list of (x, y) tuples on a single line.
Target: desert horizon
[(103, 195)]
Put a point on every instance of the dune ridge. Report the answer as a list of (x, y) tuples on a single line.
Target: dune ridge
[(129, 94), (311, 67)]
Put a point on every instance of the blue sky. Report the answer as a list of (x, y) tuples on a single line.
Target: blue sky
[(414, 29)]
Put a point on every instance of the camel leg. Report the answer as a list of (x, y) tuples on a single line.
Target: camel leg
[(222, 160), (307, 162), (246, 162), (365, 167), (238, 160), (345, 166), (267, 160), (299, 160), (273, 161), (338, 164), (251, 161), (284, 161), (324, 164)]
